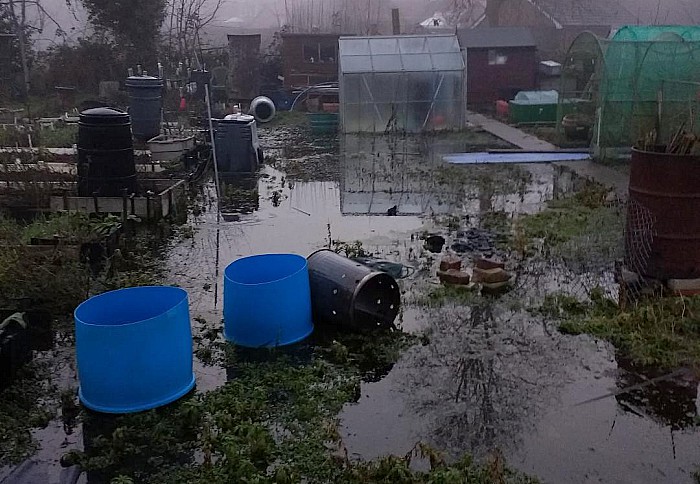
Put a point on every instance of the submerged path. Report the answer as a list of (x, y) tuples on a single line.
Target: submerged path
[(615, 179)]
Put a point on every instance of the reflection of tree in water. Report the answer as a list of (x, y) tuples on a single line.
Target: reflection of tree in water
[(670, 402), (486, 374)]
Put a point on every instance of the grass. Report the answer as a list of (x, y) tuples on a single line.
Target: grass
[(444, 294), (56, 282), (72, 226), (64, 136), (585, 212), (663, 333), (288, 118), (275, 421)]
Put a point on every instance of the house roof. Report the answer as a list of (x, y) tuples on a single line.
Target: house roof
[(667, 12), (492, 37), (585, 12)]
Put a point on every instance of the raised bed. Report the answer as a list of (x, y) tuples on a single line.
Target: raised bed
[(159, 202)]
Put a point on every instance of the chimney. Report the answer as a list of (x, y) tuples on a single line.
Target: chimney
[(493, 8), (395, 22)]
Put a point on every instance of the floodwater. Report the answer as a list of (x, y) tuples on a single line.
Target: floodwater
[(489, 375)]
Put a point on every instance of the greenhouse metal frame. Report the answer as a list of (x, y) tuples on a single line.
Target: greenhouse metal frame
[(408, 83)]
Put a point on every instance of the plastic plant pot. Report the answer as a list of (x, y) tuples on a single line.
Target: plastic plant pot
[(134, 349), (267, 300)]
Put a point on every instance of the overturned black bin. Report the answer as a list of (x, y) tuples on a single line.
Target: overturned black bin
[(345, 293)]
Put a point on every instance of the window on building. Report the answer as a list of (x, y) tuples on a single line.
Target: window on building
[(327, 53), (497, 58), (316, 52), (311, 52)]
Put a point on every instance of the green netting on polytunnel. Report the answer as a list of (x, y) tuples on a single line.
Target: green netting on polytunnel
[(623, 85), (401, 83)]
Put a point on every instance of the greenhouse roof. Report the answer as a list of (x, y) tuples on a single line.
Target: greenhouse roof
[(408, 53)]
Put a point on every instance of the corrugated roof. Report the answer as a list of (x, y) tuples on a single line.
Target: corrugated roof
[(492, 37)]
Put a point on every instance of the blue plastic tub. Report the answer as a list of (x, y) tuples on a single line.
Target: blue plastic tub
[(134, 349), (267, 300)]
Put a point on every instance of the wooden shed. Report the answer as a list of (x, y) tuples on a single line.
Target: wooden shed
[(500, 62), (309, 59)]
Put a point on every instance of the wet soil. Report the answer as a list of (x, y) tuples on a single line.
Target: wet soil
[(487, 373)]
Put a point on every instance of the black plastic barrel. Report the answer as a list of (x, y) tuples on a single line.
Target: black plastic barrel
[(105, 153), (345, 293), (200, 78), (145, 104), (236, 140)]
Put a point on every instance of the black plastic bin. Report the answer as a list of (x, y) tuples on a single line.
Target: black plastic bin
[(345, 293)]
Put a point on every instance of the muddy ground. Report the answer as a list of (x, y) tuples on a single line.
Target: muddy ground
[(484, 374)]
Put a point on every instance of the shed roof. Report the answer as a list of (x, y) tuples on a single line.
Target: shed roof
[(407, 53), (492, 37)]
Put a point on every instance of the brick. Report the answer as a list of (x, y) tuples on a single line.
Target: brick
[(484, 263), (453, 276), (495, 288), (684, 287), (490, 276), (450, 262)]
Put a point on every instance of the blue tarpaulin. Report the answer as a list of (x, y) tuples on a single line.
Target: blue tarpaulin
[(485, 157)]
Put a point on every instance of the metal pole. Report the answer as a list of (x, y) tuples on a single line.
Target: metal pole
[(218, 196), (213, 150)]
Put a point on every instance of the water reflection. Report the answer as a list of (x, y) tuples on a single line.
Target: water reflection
[(671, 402), (381, 173)]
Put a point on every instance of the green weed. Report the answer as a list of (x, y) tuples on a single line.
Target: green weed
[(23, 406), (64, 136), (441, 295), (664, 333)]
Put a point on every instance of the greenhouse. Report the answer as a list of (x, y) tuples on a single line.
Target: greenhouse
[(404, 83), (643, 81)]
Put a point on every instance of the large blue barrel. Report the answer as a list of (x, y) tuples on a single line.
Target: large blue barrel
[(267, 300), (236, 144), (105, 153), (134, 349), (145, 104)]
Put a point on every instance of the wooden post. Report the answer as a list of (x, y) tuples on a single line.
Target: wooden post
[(395, 21)]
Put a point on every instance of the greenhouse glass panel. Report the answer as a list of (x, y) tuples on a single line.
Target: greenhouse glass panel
[(417, 62), (356, 46), (352, 87), (384, 87), (440, 44), (413, 45), (381, 46), (447, 62), (387, 63), (357, 63)]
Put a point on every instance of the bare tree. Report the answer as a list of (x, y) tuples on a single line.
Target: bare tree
[(462, 12), (341, 16), (187, 19), (26, 17)]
